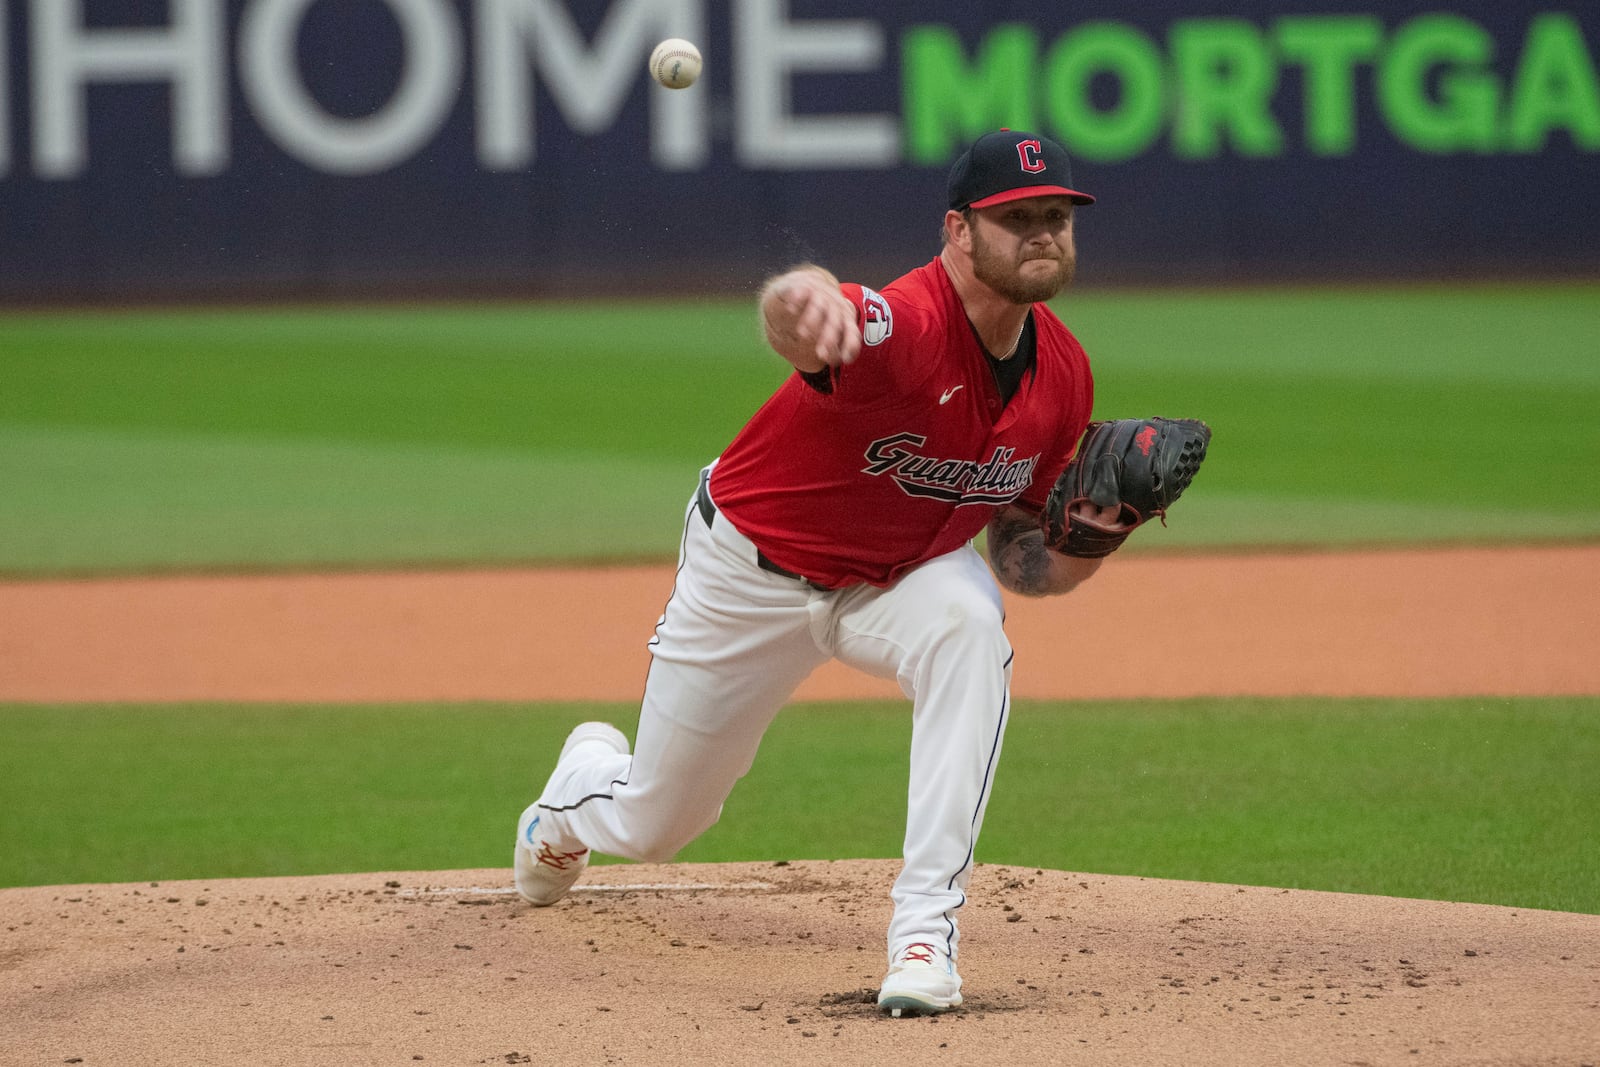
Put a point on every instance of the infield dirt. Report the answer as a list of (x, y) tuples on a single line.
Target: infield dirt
[(1462, 622), (776, 962)]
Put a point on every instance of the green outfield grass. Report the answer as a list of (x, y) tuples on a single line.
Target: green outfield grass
[(273, 438), (1490, 801)]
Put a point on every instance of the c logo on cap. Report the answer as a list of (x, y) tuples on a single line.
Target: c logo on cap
[(1028, 152)]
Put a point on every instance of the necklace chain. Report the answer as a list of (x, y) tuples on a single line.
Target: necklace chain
[(1015, 340), (1009, 352)]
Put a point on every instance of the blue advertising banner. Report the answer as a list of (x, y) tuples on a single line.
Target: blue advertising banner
[(191, 149)]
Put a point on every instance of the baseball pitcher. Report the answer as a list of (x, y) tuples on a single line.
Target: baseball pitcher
[(839, 523)]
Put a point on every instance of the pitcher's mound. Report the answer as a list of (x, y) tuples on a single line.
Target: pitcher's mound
[(779, 963)]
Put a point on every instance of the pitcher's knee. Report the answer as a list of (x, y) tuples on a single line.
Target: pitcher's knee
[(657, 852), (654, 838)]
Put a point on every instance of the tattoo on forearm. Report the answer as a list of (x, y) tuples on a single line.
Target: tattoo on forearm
[(1018, 556)]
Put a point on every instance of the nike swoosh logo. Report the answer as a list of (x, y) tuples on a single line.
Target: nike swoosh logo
[(948, 393)]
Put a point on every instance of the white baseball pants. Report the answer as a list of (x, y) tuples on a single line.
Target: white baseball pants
[(734, 643)]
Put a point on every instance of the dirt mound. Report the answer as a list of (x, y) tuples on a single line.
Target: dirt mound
[(778, 963)]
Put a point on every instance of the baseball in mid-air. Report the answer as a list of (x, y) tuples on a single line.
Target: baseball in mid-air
[(675, 63)]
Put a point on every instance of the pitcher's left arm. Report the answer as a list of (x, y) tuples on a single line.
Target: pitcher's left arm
[(1023, 563)]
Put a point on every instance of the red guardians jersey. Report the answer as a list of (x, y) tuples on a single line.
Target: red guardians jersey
[(869, 469)]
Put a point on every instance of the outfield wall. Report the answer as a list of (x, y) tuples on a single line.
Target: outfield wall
[(316, 148)]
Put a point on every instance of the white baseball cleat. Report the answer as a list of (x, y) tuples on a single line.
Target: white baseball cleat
[(543, 874), (922, 981)]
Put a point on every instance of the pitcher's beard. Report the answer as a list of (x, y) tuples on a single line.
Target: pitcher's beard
[(1007, 280)]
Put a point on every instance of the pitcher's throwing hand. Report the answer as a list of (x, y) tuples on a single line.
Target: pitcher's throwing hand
[(809, 321)]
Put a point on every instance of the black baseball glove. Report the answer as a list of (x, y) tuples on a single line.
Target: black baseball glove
[(1137, 465)]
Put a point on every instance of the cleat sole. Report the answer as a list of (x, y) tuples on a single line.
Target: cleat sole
[(900, 1005)]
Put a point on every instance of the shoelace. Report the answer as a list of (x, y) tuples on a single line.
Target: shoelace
[(919, 952), (559, 860)]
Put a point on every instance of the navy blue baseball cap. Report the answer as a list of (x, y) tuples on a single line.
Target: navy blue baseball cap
[(1011, 165)]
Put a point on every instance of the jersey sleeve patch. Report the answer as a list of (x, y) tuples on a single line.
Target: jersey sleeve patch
[(877, 321)]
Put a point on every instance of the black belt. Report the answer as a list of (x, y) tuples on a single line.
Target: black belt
[(708, 512)]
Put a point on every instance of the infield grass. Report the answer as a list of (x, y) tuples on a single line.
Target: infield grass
[(440, 435), (1489, 801)]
